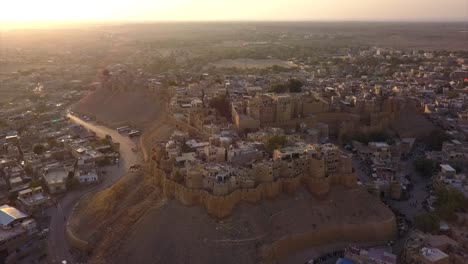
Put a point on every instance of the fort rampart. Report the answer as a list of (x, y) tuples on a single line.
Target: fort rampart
[(221, 206)]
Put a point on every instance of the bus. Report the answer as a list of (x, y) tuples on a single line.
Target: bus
[(123, 129), (134, 133)]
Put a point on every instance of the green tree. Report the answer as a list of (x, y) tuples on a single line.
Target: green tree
[(178, 177), (275, 142), (52, 142), (103, 162), (427, 222), (13, 196), (71, 182), (172, 83), (377, 136), (38, 149), (34, 184), (435, 138), (294, 86), (104, 141), (448, 202), (222, 105), (425, 167), (28, 169), (278, 88)]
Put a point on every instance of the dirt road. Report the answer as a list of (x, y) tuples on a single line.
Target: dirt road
[(59, 249)]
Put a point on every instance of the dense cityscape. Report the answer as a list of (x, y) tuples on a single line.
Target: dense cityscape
[(250, 147)]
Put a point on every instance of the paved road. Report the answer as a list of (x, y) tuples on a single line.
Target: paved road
[(413, 206), (58, 247)]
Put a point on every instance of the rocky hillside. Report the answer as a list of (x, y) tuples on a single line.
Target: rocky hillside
[(116, 108)]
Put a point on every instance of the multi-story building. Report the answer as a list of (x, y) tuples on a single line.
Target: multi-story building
[(55, 178), (33, 199)]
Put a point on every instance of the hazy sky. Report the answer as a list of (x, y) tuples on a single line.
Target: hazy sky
[(105, 10)]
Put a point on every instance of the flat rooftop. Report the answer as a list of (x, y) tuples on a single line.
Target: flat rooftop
[(56, 176), (433, 254)]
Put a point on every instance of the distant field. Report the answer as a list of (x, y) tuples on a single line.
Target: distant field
[(250, 63), (7, 68), (7, 93)]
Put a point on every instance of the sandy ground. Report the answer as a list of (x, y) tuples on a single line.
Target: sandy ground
[(117, 108), (108, 213)]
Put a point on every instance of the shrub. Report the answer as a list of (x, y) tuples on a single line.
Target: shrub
[(294, 86), (221, 104), (427, 222), (275, 142), (434, 139), (425, 167), (448, 202), (278, 88), (38, 149)]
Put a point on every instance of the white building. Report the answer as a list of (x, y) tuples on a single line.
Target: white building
[(85, 177)]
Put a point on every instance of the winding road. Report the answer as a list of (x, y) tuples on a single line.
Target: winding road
[(58, 247)]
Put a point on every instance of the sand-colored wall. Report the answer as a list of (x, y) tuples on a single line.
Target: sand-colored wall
[(318, 186), (353, 233), (222, 206)]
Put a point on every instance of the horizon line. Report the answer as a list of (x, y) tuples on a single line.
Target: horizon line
[(55, 24), (456, 20)]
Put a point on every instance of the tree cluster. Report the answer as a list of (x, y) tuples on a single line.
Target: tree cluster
[(38, 149), (435, 139), (425, 167), (292, 86), (275, 142), (71, 182), (378, 136), (222, 105), (449, 201), (427, 222)]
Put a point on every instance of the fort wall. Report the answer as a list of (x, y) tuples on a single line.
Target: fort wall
[(221, 206), (375, 231)]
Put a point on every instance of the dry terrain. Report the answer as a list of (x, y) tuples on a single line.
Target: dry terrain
[(103, 218), (172, 233), (116, 108)]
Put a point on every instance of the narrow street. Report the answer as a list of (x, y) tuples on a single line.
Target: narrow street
[(58, 248), (409, 208)]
